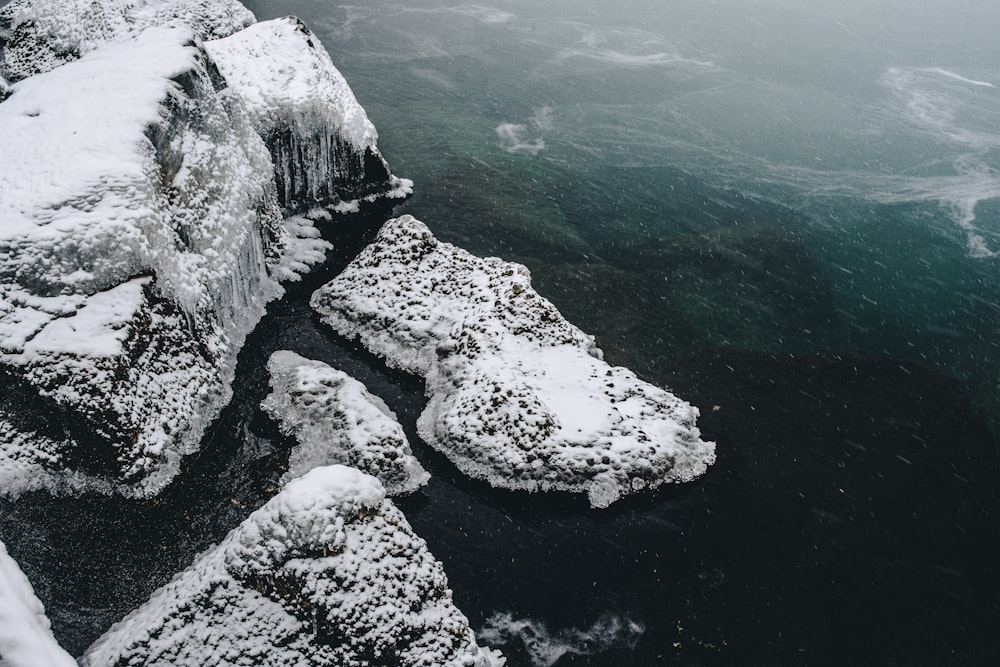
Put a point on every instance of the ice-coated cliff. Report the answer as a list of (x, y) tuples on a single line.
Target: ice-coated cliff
[(323, 144), (518, 396), (328, 572), (141, 233), (335, 420), (139, 219), (39, 35), (25, 637)]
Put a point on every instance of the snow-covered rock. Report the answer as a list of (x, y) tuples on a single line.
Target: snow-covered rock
[(39, 35), (25, 637), (335, 420), (139, 219), (323, 144), (518, 396), (141, 231), (328, 572)]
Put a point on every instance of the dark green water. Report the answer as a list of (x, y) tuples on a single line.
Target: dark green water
[(766, 207)]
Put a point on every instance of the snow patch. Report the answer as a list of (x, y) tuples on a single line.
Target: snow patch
[(25, 636)]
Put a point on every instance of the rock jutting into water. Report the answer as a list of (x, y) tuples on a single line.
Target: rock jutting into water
[(323, 144), (519, 397), (328, 572), (143, 234), (335, 420), (25, 637)]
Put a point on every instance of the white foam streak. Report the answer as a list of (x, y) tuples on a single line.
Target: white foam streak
[(513, 139), (959, 77), (545, 648)]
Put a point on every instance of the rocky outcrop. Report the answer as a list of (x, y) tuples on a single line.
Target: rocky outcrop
[(518, 396), (142, 231), (334, 419), (39, 35), (25, 637), (139, 223), (323, 144), (326, 573)]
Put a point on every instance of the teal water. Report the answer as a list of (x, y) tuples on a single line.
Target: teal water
[(789, 213)]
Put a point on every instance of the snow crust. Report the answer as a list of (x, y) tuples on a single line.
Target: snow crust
[(336, 420), (41, 35), (328, 572), (25, 637), (518, 396)]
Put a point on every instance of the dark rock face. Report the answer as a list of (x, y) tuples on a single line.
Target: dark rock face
[(347, 174)]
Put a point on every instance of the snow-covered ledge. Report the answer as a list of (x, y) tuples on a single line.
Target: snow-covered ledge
[(323, 144), (519, 397), (328, 572)]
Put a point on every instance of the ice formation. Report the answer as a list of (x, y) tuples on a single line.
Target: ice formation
[(142, 232), (322, 141), (25, 637), (335, 420), (39, 35), (328, 572), (518, 396)]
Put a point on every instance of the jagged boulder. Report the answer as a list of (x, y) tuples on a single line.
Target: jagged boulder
[(518, 396), (334, 419), (328, 572)]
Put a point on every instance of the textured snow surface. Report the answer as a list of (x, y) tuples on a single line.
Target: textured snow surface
[(518, 396), (335, 420), (139, 218), (283, 73), (319, 135), (328, 572), (41, 35), (25, 637)]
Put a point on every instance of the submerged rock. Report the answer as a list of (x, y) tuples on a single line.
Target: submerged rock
[(323, 144), (25, 637), (518, 396), (328, 572), (335, 420)]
